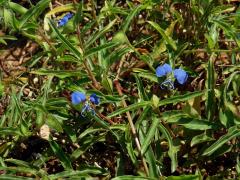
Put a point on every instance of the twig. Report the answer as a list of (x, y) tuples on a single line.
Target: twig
[(40, 31), (134, 132), (89, 72), (107, 119), (211, 50)]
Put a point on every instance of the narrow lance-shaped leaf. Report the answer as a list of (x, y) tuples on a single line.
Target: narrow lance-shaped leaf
[(233, 132), (180, 98), (65, 161), (65, 41), (168, 39), (99, 48), (41, 5), (150, 134), (172, 152), (98, 34), (78, 174), (129, 18), (129, 108), (210, 87)]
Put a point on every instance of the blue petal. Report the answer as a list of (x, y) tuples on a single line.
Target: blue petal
[(163, 70), (69, 15), (180, 75), (62, 22), (94, 99), (78, 97), (167, 68)]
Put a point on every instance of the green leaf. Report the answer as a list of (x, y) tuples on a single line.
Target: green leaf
[(150, 134), (105, 125), (210, 86), (8, 18), (146, 74), (69, 46), (238, 165), (18, 162), (232, 132), (141, 91), (152, 163), (90, 131), (59, 73), (172, 152), (184, 177), (94, 50), (180, 98), (68, 58), (155, 101), (17, 8), (107, 83), (87, 143), (79, 14), (168, 39), (129, 108), (6, 37), (34, 11), (226, 117), (228, 29), (10, 131), (191, 123), (54, 123), (120, 165), (64, 159), (143, 116), (14, 177), (131, 15), (98, 34), (84, 172), (200, 139), (129, 177), (20, 169)]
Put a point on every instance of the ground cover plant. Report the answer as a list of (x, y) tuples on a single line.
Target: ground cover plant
[(142, 89)]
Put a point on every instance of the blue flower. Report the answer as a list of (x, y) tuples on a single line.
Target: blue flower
[(65, 19), (163, 70), (180, 75), (94, 99), (78, 97)]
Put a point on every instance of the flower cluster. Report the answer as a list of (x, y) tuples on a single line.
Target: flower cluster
[(179, 74), (63, 21), (79, 97)]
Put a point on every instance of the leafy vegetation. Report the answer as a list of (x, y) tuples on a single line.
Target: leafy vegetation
[(88, 89)]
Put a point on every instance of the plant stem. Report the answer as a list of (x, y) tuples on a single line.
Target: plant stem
[(134, 132), (211, 50), (89, 72)]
